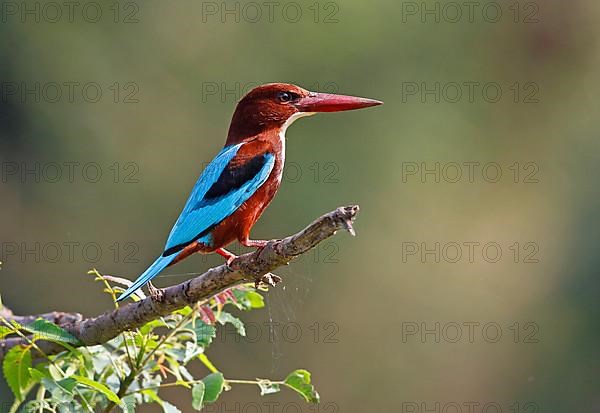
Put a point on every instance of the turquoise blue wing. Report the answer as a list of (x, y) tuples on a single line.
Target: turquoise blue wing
[(218, 193)]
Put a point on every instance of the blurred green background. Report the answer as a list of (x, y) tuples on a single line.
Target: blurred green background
[(374, 318)]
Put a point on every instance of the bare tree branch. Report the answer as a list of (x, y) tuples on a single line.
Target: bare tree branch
[(55, 317), (255, 266)]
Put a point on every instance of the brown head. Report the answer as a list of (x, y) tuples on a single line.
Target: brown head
[(270, 106)]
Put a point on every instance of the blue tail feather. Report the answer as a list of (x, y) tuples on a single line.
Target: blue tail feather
[(152, 271)]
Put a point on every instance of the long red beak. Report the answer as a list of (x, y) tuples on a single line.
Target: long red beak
[(326, 102)]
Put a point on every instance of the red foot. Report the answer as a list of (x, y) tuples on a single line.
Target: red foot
[(229, 256)]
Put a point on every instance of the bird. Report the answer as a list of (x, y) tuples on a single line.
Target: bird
[(239, 183)]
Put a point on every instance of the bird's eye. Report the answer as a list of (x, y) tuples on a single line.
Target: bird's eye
[(285, 97)]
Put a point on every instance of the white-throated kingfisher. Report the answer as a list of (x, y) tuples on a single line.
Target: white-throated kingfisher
[(240, 182)]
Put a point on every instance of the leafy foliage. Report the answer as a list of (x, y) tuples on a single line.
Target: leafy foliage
[(132, 369), (49, 331), (16, 366), (299, 380)]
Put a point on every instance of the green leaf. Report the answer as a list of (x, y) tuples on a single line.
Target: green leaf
[(148, 327), (202, 357), (299, 380), (110, 395), (151, 395), (45, 330), (174, 367), (54, 372), (225, 318), (68, 384), (15, 325), (129, 403), (191, 351), (213, 387), (268, 387), (16, 365), (198, 395), (256, 300), (185, 311), (59, 393), (36, 375), (248, 299), (4, 331), (101, 359), (204, 333)]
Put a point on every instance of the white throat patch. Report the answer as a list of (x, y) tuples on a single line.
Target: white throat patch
[(287, 123)]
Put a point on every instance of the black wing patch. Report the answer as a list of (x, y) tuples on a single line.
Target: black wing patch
[(234, 177), (230, 179)]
